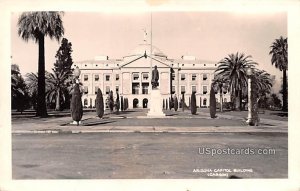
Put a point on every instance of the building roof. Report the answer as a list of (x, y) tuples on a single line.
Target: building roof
[(142, 48)]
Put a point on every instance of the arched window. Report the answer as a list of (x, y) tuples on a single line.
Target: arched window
[(135, 103)]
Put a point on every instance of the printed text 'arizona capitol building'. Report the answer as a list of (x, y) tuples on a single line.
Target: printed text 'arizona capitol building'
[(131, 77)]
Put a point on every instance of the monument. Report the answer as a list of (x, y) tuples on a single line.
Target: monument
[(155, 99)]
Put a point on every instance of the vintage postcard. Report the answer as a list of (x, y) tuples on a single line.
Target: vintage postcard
[(151, 95)]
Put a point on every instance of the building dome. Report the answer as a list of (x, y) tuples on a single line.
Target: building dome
[(142, 48)]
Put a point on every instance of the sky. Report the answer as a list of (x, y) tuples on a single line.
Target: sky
[(207, 35)]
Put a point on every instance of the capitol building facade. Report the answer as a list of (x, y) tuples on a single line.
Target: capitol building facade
[(131, 77)]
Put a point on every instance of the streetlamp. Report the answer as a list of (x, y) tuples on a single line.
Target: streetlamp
[(249, 73), (76, 74)]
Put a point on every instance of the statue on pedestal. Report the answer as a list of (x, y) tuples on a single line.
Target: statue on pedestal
[(155, 77)]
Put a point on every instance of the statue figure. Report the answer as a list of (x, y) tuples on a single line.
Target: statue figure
[(155, 77)]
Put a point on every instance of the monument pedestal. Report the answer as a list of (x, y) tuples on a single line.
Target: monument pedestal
[(155, 104)]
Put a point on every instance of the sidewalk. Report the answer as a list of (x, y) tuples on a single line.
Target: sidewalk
[(137, 122)]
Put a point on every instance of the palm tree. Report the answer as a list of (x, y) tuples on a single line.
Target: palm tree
[(36, 26), (15, 79), (234, 68), (219, 82), (59, 83), (262, 80), (279, 52)]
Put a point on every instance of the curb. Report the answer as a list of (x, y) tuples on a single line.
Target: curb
[(176, 130)]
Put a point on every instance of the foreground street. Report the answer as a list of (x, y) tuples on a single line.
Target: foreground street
[(149, 155)]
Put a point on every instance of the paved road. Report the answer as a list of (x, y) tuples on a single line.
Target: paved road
[(148, 155)]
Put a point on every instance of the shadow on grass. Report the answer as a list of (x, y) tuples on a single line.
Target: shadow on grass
[(97, 123), (90, 123), (171, 114), (280, 114)]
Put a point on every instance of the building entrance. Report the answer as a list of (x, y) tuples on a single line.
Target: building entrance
[(135, 103), (145, 103)]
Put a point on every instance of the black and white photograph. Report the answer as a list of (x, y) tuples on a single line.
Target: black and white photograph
[(149, 94)]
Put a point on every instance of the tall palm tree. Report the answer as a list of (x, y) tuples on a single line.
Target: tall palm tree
[(279, 52), (36, 26), (233, 67), (58, 82)]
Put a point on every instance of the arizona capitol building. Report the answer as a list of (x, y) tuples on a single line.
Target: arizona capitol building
[(131, 77)]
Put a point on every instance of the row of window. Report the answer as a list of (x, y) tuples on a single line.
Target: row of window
[(135, 101), (107, 77), (194, 77), (145, 76), (145, 87), (107, 89)]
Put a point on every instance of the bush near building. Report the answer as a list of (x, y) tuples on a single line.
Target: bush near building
[(193, 104), (76, 104), (99, 104), (212, 103), (175, 103)]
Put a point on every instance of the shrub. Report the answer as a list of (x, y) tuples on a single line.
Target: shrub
[(99, 104), (76, 104), (122, 103), (118, 103), (212, 103), (175, 103), (167, 104), (193, 104), (125, 103), (182, 102), (111, 101)]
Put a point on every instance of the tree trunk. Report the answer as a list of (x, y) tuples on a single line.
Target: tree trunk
[(221, 100), (284, 92), (240, 99), (41, 106), (57, 107)]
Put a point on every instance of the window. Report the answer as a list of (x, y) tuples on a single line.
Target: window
[(96, 77), (135, 88), (145, 76), (117, 88), (85, 77), (86, 90), (145, 87), (204, 90), (194, 89), (96, 89), (182, 77), (225, 100), (182, 89), (117, 77), (216, 100), (204, 77), (107, 90), (173, 76), (135, 76), (85, 102), (194, 77), (173, 89), (107, 77)]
